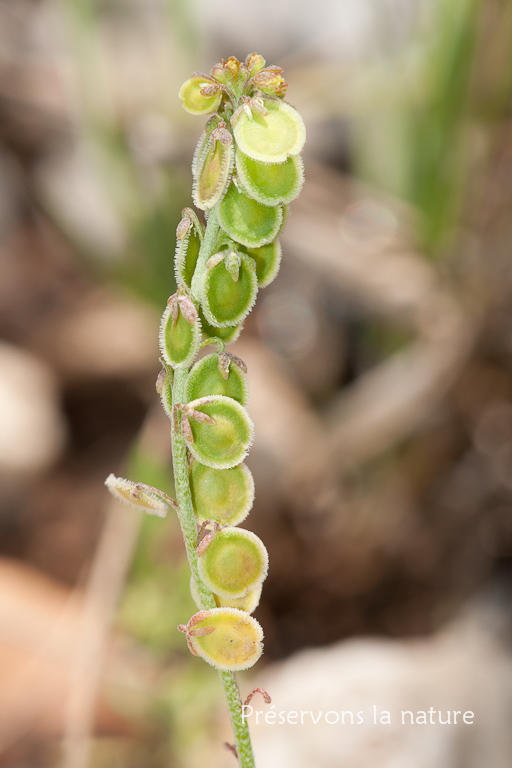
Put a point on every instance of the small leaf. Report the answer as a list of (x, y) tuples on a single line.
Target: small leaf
[(213, 171), (268, 260), (273, 137), (271, 183), (247, 221), (234, 563), (195, 102), (235, 644), (206, 378), (247, 603), (226, 301), (224, 444), (179, 342), (224, 495)]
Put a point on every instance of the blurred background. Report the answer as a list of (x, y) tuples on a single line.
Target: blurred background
[(379, 364)]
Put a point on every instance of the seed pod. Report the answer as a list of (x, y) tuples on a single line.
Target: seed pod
[(271, 138), (179, 338), (187, 251), (224, 495), (213, 170), (235, 642), (247, 221), (247, 603), (271, 183), (234, 563), (200, 95), (165, 392), (225, 443), (268, 260), (227, 334), (139, 495), (206, 378), (227, 296)]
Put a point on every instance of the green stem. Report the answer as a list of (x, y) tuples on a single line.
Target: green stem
[(188, 520)]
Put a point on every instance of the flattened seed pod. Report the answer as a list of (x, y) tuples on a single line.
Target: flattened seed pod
[(195, 102), (247, 603), (271, 183), (234, 563), (138, 495), (224, 495), (206, 378), (187, 251), (247, 221), (228, 334), (268, 260), (179, 340), (225, 443), (271, 138), (213, 171), (235, 642), (227, 297)]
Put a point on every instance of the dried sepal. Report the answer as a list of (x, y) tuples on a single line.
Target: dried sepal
[(246, 220), (271, 183), (227, 298), (180, 332), (213, 172), (247, 603), (273, 137), (206, 378), (200, 95), (141, 496), (224, 495), (232, 562), (235, 644), (225, 443), (268, 260)]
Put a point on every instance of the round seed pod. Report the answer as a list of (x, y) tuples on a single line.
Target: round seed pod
[(179, 342), (234, 563), (268, 260), (206, 378), (235, 643), (271, 138), (224, 495), (227, 297), (247, 221), (247, 603), (195, 102), (225, 443), (228, 334), (271, 183), (213, 170), (187, 251)]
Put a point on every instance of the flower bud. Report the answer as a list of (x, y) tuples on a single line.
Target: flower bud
[(224, 299), (206, 378), (254, 62), (200, 95), (224, 495), (271, 183), (268, 260), (224, 443), (270, 82), (247, 221), (273, 137), (235, 642), (179, 338), (234, 562)]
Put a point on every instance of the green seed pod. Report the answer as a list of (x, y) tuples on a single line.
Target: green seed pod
[(228, 334), (187, 250), (224, 495), (164, 389), (271, 183), (271, 138), (224, 443), (268, 260), (139, 495), (247, 221), (208, 378), (179, 335), (213, 170), (227, 638), (234, 562), (247, 603), (227, 294), (200, 95)]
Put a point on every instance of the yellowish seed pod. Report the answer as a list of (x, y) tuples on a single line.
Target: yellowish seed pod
[(224, 495), (273, 137), (247, 603), (232, 639), (234, 563), (200, 95)]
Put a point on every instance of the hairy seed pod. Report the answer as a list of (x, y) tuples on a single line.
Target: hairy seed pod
[(247, 221), (271, 183), (137, 495), (235, 643), (225, 443), (213, 172), (234, 562), (206, 378), (197, 97), (187, 251), (179, 338), (268, 260), (224, 495), (227, 296), (247, 603), (228, 334), (271, 138)]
